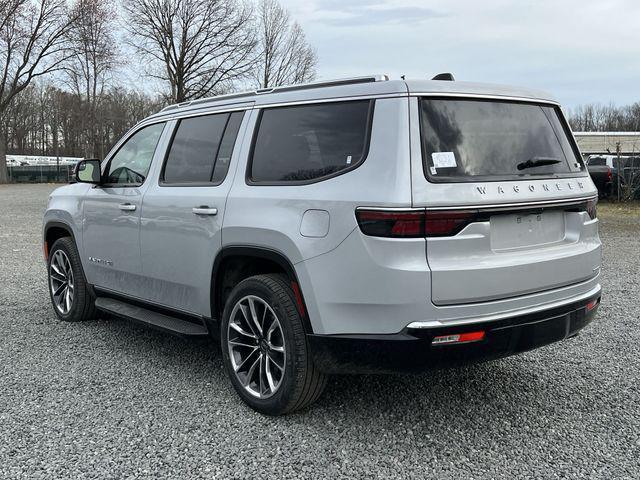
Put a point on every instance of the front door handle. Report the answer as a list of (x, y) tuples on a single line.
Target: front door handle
[(204, 210), (127, 207)]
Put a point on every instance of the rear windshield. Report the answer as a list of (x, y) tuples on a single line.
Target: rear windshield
[(597, 161), (471, 140)]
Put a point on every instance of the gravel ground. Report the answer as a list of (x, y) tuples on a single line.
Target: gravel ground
[(108, 399)]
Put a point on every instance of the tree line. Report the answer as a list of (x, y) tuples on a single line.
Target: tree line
[(60, 64), (605, 118)]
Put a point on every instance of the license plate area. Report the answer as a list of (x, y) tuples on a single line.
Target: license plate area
[(526, 229)]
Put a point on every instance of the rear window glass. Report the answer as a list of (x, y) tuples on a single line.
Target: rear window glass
[(306, 142), (597, 161), (201, 149), (469, 140), (193, 150)]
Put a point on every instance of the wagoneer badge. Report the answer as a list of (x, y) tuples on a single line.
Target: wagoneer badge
[(545, 187)]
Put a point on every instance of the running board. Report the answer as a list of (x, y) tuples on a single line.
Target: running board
[(150, 318)]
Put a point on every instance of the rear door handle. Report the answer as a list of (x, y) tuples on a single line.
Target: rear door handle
[(204, 210), (127, 207)]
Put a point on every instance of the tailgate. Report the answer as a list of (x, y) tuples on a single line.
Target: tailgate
[(511, 253)]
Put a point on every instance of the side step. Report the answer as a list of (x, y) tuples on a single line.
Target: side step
[(150, 318)]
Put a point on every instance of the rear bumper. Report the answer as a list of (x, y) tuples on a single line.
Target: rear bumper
[(412, 351)]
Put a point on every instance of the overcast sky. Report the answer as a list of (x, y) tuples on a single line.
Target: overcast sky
[(580, 51)]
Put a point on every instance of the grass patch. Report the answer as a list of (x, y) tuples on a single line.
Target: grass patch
[(614, 209)]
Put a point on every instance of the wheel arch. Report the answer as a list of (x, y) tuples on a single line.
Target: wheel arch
[(55, 230), (260, 260)]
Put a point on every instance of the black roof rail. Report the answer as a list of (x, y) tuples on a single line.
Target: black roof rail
[(444, 76), (285, 88)]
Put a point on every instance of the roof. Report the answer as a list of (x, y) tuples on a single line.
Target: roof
[(373, 85)]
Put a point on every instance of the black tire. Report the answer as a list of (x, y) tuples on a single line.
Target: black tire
[(302, 383), (82, 306)]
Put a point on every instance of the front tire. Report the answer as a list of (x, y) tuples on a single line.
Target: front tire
[(70, 294), (264, 347)]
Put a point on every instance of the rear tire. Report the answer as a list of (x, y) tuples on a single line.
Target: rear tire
[(268, 361), (71, 295)]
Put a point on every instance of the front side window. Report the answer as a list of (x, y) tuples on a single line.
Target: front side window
[(131, 163), (471, 140), (303, 143)]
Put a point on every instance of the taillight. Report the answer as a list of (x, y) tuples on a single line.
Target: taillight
[(592, 208), (392, 224), (413, 223), (447, 223), (609, 174)]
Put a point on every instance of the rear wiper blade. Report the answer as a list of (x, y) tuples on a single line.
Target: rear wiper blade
[(537, 162)]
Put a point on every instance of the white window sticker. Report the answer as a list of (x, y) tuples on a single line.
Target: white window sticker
[(444, 160), (433, 170), (348, 159)]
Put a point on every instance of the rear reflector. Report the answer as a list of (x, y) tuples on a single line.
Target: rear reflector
[(458, 338), (592, 304)]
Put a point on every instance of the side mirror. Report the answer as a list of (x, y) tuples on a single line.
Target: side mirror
[(88, 171)]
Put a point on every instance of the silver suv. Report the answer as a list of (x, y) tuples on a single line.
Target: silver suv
[(360, 225)]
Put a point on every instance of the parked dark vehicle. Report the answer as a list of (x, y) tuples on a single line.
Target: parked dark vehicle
[(602, 172)]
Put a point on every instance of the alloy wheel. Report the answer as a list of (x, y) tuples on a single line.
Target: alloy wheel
[(256, 346), (61, 281)]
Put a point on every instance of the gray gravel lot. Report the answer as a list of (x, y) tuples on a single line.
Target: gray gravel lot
[(108, 399)]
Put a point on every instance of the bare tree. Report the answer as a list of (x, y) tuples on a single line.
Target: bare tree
[(198, 46), (46, 120), (32, 44), (93, 58), (285, 56)]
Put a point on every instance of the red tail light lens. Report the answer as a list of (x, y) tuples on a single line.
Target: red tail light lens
[(391, 224), (414, 223), (592, 208), (609, 174), (447, 223)]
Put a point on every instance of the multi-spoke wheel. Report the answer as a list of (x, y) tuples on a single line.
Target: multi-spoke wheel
[(256, 346), (70, 294), (61, 281), (264, 347)]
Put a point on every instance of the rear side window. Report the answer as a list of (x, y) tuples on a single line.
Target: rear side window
[(304, 143), (471, 140), (201, 149)]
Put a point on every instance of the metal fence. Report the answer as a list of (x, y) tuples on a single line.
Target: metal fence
[(40, 173)]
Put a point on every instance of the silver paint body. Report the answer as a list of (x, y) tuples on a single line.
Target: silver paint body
[(163, 253)]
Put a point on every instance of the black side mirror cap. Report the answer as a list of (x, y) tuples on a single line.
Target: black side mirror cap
[(88, 171)]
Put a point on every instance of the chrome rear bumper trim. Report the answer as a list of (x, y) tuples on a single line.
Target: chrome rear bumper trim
[(501, 316)]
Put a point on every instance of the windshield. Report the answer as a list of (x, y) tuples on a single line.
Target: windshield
[(469, 140)]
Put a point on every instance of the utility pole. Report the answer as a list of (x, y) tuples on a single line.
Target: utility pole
[(618, 169)]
